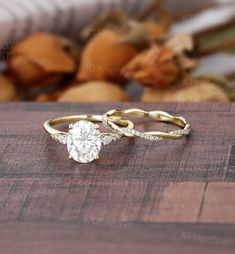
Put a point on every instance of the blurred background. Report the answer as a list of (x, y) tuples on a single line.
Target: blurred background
[(117, 50)]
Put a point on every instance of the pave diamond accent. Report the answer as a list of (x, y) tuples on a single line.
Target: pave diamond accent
[(137, 133), (142, 134), (62, 138), (109, 138), (180, 132), (84, 141)]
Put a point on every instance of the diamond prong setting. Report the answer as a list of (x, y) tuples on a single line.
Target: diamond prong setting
[(84, 141)]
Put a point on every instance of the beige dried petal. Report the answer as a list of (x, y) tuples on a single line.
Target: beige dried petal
[(195, 91), (7, 89), (95, 91), (187, 63), (180, 43)]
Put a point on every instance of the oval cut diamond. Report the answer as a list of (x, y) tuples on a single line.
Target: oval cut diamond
[(84, 141)]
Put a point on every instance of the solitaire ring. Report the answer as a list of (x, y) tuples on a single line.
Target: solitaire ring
[(152, 135), (84, 139)]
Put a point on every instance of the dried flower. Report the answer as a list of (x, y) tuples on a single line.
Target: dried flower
[(191, 90), (7, 89), (180, 43), (154, 67), (143, 34), (104, 57), (186, 63), (155, 30), (95, 91), (38, 58)]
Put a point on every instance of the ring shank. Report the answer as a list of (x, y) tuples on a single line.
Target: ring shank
[(155, 115), (72, 119)]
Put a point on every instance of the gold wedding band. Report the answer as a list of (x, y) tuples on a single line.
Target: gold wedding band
[(155, 115)]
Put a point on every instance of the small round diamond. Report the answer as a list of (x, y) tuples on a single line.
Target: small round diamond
[(84, 141)]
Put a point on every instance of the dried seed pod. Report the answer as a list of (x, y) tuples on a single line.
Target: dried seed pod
[(95, 91), (104, 57), (25, 71), (197, 91), (7, 89), (154, 67), (38, 57)]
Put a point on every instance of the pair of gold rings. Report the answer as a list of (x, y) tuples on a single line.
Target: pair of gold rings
[(84, 140)]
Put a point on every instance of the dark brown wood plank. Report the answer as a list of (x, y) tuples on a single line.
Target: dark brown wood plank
[(207, 155), (219, 203), (116, 201), (108, 238), (139, 197)]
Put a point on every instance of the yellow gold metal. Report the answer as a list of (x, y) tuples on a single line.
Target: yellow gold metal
[(84, 145), (48, 125), (156, 115)]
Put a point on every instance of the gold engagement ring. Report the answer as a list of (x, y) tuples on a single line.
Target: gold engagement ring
[(84, 139)]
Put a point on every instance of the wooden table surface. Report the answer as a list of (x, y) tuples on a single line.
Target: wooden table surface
[(139, 197)]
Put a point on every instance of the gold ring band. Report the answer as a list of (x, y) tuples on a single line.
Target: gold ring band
[(84, 140), (156, 115)]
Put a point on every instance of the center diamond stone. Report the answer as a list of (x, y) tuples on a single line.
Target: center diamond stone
[(84, 141)]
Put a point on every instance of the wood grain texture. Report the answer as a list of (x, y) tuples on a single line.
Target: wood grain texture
[(139, 196), (106, 238)]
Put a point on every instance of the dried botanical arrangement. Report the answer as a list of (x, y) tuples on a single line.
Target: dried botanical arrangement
[(113, 52)]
